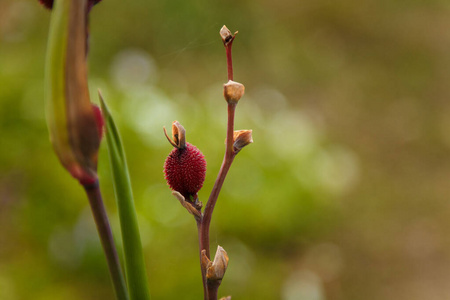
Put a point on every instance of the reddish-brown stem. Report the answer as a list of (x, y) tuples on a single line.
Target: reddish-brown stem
[(201, 247), (213, 288), (210, 288), (106, 238), (229, 60), (226, 164), (229, 153)]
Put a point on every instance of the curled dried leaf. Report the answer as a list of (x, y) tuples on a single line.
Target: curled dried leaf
[(189, 207)]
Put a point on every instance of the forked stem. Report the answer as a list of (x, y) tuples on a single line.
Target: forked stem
[(226, 164)]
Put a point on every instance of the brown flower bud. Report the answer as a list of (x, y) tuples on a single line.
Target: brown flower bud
[(233, 91), (216, 269), (226, 35), (241, 139), (178, 139)]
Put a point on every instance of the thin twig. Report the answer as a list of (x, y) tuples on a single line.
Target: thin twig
[(201, 247), (106, 237), (229, 60), (226, 164)]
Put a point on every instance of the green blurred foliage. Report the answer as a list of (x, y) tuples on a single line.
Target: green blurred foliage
[(343, 195)]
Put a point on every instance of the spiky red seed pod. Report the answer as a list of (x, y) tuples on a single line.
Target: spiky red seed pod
[(185, 170)]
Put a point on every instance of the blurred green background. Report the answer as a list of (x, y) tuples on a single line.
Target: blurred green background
[(342, 195)]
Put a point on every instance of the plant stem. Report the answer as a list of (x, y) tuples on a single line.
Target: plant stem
[(201, 247), (106, 237), (229, 61), (213, 288), (210, 288), (226, 164), (228, 46)]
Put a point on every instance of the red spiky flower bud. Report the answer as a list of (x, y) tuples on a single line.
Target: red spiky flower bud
[(185, 167)]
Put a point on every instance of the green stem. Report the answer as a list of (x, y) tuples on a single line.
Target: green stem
[(106, 237)]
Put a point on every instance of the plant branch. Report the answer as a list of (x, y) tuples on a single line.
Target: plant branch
[(229, 60), (211, 287), (201, 247), (106, 237), (226, 164), (227, 39)]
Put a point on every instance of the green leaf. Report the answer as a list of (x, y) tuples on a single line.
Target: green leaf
[(55, 82), (134, 259)]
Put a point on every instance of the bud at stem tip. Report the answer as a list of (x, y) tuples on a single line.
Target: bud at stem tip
[(226, 35)]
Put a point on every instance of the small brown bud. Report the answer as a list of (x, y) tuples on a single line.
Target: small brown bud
[(241, 139), (178, 135), (216, 269), (226, 35), (233, 91)]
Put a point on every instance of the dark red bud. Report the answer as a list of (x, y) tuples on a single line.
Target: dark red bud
[(185, 170), (49, 3), (99, 120)]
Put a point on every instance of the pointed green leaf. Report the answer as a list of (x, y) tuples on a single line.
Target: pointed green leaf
[(134, 258)]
